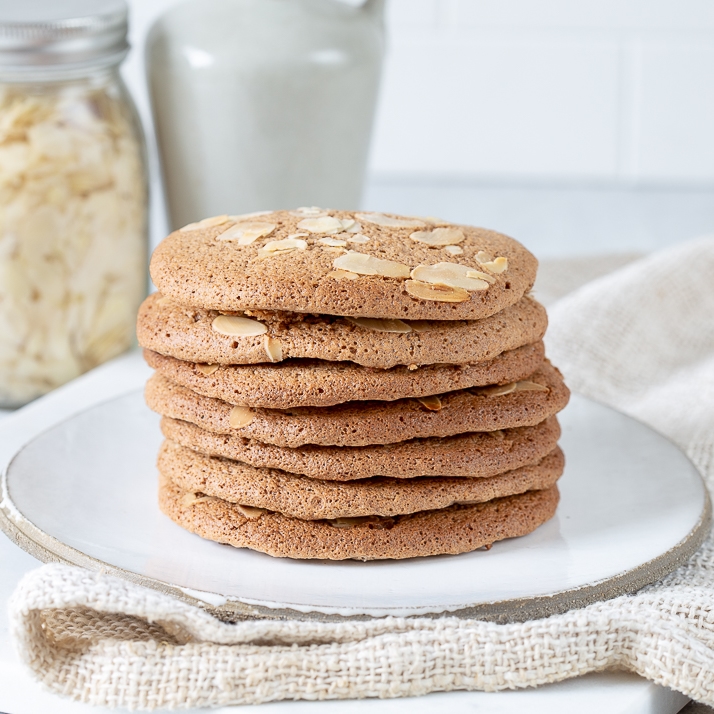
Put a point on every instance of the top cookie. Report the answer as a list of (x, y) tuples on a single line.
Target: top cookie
[(343, 263)]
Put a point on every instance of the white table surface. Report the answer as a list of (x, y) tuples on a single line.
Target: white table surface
[(613, 693)]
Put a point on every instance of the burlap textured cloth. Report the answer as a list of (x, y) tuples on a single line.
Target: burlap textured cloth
[(640, 339)]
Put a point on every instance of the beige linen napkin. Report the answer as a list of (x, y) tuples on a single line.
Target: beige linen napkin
[(640, 339)]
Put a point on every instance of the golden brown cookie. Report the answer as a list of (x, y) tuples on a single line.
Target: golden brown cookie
[(457, 529), (532, 400), (317, 383), (198, 335), (343, 263), (476, 454), (309, 499)]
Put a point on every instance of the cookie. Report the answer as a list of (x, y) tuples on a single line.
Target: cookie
[(318, 383), (309, 499), (374, 422), (343, 263), (476, 454), (197, 335), (456, 529)]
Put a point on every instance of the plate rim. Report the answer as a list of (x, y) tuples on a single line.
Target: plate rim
[(47, 548)]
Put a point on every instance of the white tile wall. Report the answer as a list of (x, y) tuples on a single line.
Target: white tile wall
[(612, 90)]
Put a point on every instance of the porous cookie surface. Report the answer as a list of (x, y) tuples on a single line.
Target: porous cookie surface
[(196, 335), (319, 383), (306, 498), (342, 263), (457, 529), (541, 395), (476, 454)]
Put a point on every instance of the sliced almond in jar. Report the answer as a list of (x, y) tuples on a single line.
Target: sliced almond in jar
[(240, 416), (286, 245), (324, 224), (433, 403), (234, 326), (379, 219), (364, 264), (481, 276), (437, 293), (451, 274), (333, 242), (439, 236), (454, 249), (528, 386), (273, 349), (370, 323), (250, 512), (342, 275), (247, 232), (207, 369), (205, 223)]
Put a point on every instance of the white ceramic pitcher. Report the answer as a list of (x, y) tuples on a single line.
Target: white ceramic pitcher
[(263, 104)]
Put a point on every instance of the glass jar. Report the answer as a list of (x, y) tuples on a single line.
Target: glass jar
[(73, 195)]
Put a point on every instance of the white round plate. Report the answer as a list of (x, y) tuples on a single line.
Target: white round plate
[(633, 507)]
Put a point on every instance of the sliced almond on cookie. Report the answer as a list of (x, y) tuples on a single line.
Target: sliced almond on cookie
[(234, 326), (379, 219), (247, 232), (438, 293), (273, 349), (240, 416), (207, 369), (451, 274), (439, 237), (370, 323), (433, 403), (323, 224), (205, 223), (364, 264)]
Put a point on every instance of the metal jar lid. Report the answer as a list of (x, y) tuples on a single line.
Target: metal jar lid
[(61, 36)]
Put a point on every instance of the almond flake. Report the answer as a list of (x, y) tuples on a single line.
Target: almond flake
[(358, 238), (164, 300), (250, 512), (347, 223), (420, 325), (205, 223), (439, 236), (247, 232), (235, 326), (380, 325), (277, 247), (190, 499), (454, 249), (439, 293), (324, 224), (308, 212), (379, 219), (364, 264), (528, 386), (246, 216), (273, 349), (207, 369), (433, 404), (497, 390), (481, 276), (433, 221), (354, 228), (333, 242), (451, 274), (342, 275), (412, 367), (498, 265), (240, 417)]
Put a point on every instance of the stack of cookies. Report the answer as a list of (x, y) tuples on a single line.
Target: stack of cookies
[(351, 385)]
